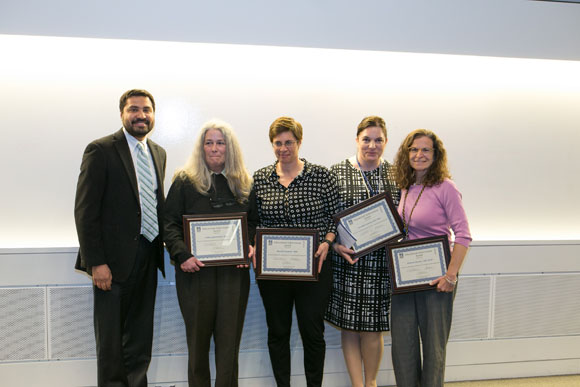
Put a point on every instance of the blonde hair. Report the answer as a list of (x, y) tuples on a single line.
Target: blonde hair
[(437, 172), (196, 170)]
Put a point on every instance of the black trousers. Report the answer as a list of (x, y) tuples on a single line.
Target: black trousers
[(213, 303), (123, 318), (311, 300)]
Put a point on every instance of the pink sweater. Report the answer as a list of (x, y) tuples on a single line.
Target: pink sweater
[(438, 211)]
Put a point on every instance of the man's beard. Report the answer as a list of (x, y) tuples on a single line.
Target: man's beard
[(136, 131)]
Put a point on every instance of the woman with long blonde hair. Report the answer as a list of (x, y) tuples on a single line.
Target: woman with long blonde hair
[(212, 299)]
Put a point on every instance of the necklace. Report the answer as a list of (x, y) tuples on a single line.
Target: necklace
[(405, 221), (370, 191)]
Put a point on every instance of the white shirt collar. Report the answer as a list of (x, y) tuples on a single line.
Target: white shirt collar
[(132, 141)]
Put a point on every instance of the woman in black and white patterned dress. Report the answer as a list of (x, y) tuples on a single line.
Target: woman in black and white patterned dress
[(360, 297)]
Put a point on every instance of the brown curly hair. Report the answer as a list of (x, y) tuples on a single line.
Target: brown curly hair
[(438, 171)]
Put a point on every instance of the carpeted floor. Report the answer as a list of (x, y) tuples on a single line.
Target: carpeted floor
[(551, 381), (544, 381)]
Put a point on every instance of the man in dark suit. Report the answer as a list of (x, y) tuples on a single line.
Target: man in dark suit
[(119, 220)]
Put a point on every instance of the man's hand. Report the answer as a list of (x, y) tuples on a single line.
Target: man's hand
[(102, 277)]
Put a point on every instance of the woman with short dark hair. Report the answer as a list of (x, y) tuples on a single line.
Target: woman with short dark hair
[(294, 193)]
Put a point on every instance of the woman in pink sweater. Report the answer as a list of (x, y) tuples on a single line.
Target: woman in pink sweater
[(430, 205)]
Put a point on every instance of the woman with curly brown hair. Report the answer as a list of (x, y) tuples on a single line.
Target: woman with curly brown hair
[(430, 205)]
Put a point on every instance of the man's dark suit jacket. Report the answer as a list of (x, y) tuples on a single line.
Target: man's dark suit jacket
[(107, 210)]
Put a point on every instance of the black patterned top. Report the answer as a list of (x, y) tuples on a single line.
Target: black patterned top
[(309, 201), (360, 296)]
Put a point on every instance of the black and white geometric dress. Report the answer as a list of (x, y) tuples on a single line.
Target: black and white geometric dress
[(360, 296)]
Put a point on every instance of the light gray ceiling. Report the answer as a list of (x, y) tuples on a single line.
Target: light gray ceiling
[(512, 28)]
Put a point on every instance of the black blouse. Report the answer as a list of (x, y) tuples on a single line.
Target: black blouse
[(309, 201), (184, 199)]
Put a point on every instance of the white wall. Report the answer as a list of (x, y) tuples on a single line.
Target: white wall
[(510, 125)]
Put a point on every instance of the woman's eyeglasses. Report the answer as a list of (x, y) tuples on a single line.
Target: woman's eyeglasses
[(425, 151), (288, 144)]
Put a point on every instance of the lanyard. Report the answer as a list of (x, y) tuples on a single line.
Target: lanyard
[(370, 191), (407, 221)]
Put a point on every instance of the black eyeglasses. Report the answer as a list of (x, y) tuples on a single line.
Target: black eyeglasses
[(221, 202), (288, 144)]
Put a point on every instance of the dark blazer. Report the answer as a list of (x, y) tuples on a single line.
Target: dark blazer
[(107, 210)]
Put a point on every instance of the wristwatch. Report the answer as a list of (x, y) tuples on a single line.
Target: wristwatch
[(330, 243)]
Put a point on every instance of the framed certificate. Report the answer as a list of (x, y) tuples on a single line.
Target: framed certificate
[(415, 263), (370, 224), (286, 254), (217, 240)]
